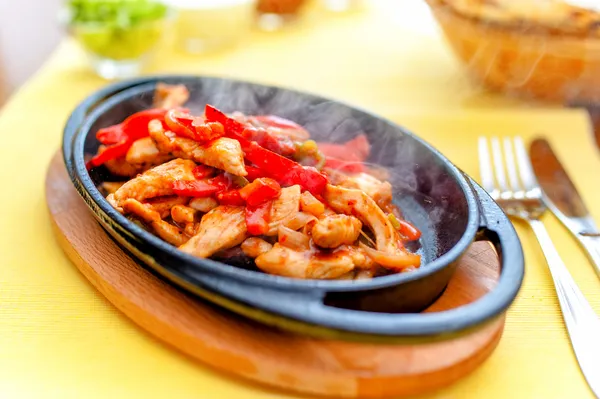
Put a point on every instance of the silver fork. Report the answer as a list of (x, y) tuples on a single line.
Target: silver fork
[(521, 197)]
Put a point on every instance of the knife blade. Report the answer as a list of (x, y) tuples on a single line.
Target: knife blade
[(563, 199)]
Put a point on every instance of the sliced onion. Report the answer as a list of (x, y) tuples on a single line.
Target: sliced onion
[(298, 220), (396, 262), (293, 239)]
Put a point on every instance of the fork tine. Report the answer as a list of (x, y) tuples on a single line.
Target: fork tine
[(526, 170), (485, 166), (511, 166), (499, 164)]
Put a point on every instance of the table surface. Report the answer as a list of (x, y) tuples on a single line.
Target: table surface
[(62, 339)]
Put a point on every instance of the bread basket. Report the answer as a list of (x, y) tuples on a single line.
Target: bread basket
[(553, 56)]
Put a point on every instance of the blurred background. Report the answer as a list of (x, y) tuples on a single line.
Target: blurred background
[(536, 50), (30, 30), (25, 42)]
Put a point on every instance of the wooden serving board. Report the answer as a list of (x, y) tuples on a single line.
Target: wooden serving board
[(260, 353)]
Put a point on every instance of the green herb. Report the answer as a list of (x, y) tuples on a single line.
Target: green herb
[(394, 221)]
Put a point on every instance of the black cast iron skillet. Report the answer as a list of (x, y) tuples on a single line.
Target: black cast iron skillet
[(447, 206)]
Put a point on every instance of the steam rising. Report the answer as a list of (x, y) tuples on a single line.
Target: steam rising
[(423, 187)]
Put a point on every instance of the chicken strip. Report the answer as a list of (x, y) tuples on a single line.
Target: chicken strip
[(183, 214), (170, 96), (287, 262), (143, 152), (223, 153), (380, 191), (309, 204), (335, 230), (222, 228), (253, 247), (164, 230), (203, 204), (357, 203), (191, 229), (163, 205), (286, 206), (157, 181)]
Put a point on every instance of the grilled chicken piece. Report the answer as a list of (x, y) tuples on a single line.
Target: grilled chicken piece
[(360, 258), (287, 262), (157, 181), (183, 214), (191, 229), (119, 166), (357, 203), (170, 96), (164, 230), (222, 228), (253, 247), (287, 205), (223, 153), (309, 204), (143, 152), (203, 204), (335, 230), (163, 205), (380, 191)]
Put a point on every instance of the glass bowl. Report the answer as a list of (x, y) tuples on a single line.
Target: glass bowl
[(117, 51)]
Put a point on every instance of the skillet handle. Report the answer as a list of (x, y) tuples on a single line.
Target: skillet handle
[(305, 311)]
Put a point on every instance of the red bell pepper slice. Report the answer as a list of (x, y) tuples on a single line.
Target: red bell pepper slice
[(136, 126), (277, 121), (201, 188), (180, 123), (233, 128), (111, 135), (273, 165), (260, 190), (253, 173), (115, 151), (408, 231), (133, 128), (257, 218), (202, 172), (194, 188), (347, 157), (345, 166), (359, 146), (123, 135), (286, 171), (355, 150), (278, 144), (231, 197)]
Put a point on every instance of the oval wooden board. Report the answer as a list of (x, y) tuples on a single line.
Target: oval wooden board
[(259, 353)]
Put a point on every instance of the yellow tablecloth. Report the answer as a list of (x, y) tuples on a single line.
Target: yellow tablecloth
[(60, 339)]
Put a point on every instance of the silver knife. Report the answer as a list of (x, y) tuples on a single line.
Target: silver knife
[(562, 198)]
